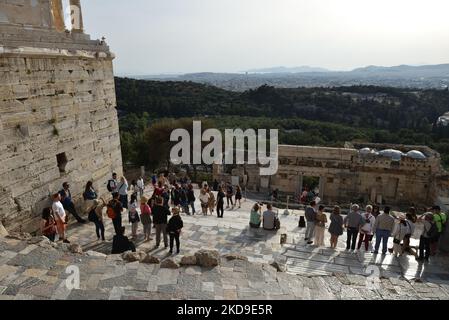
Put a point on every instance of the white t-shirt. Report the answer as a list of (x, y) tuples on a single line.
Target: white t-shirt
[(59, 209), (204, 198), (140, 183)]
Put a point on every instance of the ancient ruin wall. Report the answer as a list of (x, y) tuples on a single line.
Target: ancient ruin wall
[(58, 120)]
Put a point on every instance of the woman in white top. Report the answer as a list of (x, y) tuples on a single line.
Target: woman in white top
[(122, 189), (140, 186), (366, 230), (133, 216), (401, 229), (204, 199)]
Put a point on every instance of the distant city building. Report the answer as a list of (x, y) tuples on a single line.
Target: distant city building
[(443, 120)]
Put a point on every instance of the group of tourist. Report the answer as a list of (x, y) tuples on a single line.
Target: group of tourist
[(362, 227), (168, 198)]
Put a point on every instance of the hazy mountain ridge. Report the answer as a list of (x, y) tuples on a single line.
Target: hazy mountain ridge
[(402, 76)]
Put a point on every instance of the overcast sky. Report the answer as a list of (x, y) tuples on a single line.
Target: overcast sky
[(180, 36)]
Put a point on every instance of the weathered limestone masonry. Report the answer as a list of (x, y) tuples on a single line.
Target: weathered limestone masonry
[(58, 120), (354, 174)]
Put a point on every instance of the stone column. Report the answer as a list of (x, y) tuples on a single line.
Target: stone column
[(76, 16), (322, 183), (58, 16)]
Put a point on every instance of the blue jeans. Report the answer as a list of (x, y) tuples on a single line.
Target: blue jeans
[(192, 204), (382, 235)]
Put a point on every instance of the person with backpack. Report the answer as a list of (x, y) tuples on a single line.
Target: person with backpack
[(410, 220), (400, 230), (430, 230), (48, 224), (320, 226), (112, 185), (145, 218), (174, 228), (310, 218), (220, 202), (133, 216), (383, 227), (114, 212), (440, 220), (191, 199), (96, 216), (229, 195), (366, 230)]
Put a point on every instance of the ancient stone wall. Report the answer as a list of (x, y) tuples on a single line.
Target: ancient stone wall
[(58, 120), (347, 175)]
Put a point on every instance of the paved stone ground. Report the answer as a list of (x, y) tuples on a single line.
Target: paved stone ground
[(38, 271)]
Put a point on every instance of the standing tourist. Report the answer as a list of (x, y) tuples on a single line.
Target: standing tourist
[(429, 231), (114, 211), (183, 199), (204, 199), (238, 196), (140, 186), (96, 216), (154, 180), (310, 214), (145, 217), (383, 227), (66, 200), (440, 220), (320, 225), (48, 224), (123, 192), (175, 196), (191, 198), (211, 203), (174, 228), (160, 214), (400, 230), (352, 222), (113, 184), (366, 230), (220, 202), (255, 218), (411, 219), (376, 211), (336, 226), (229, 195), (215, 185), (60, 217), (133, 216)]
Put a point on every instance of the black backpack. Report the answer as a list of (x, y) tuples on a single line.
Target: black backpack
[(109, 186), (433, 231)]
